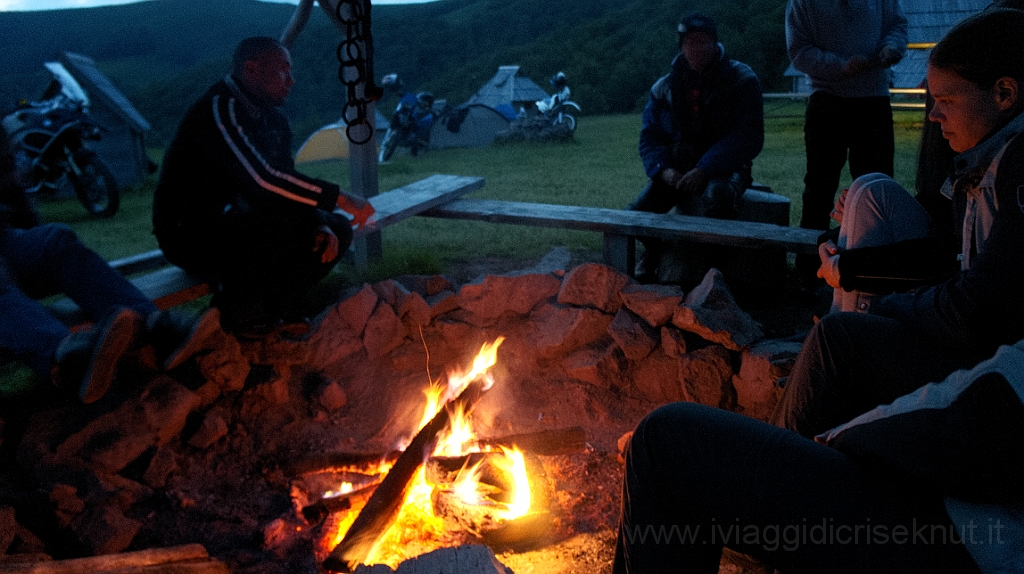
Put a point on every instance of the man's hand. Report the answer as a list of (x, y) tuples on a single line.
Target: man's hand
[(326, 244), (360, 210), (856, 65), (829, 270), (671, 177), (693, 182), (889, 56)]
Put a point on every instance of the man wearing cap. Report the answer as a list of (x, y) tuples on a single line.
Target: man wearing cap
[(702, 128), (847, 48)]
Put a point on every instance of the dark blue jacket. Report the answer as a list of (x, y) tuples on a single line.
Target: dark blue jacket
[(725, 133)]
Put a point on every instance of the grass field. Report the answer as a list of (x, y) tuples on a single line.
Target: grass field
[(600, 168)]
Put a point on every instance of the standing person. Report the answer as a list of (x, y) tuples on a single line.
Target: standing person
[(39, 259), (851, 362), (847, 48), (230, 207), (702, 128)]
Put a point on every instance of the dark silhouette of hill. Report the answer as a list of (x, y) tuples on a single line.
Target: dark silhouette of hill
[(164, 53)]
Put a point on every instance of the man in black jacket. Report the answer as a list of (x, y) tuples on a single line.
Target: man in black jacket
[(230, 207), (702, 128)]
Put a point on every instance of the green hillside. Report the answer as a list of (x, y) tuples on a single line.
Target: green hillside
[(164, 53)]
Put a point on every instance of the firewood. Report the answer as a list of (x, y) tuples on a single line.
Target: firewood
[(330, 460), (315, 513), (546, 442), (383, 507), (188, 559)]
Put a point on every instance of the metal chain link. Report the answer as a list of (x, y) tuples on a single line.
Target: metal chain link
[(355, 56)]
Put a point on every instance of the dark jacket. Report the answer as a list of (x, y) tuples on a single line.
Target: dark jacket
[(231, 153), (979, 307), (722, 135)]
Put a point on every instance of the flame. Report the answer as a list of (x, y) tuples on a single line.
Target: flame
[(416, 523)]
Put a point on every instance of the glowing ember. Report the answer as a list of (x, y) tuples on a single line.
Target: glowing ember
[(417, 529)]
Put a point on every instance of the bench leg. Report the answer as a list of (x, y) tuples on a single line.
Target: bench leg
[(620, 252)]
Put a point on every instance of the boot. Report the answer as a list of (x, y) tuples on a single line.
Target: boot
[(176, 336), (89, 358)]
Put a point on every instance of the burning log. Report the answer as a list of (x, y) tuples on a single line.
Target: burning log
[(383, 507), (315, 513), (546, 442)]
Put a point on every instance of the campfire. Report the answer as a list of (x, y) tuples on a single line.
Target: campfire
[(324, 454), (444, 480)]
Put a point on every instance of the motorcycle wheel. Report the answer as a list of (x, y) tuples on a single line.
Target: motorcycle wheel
[(570, 121), (95, 185), (387, 147)]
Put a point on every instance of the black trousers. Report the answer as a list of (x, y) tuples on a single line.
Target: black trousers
[(837, 129), (258, 260), (698, 479)]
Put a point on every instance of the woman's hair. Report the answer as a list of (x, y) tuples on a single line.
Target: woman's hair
[(984, 47)]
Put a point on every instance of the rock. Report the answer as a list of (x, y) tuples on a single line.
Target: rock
[(710, 311), (598, 365), (498, 294), (622, 444), (441, 303), (331, 396), (104, 529), (212, 429), (656, 378), (112, 441), (706, 375), (761, 367), (635, 337), (162, 465), (470, 559), (593, 285), (384, 332), (66, 503), (426, 285), (558, 331), (655, 303), (7, 528), (356, 310), (673, 342)]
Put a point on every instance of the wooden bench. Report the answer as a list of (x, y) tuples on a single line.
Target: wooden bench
[(621, 227), (169, 286)]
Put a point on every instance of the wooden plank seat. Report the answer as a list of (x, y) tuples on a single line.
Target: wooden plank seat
[(621, 227), (169, 286)]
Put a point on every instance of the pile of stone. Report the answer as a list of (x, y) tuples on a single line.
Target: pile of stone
[(202, 454)]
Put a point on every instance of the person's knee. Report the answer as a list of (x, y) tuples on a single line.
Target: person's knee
[(720, 199)]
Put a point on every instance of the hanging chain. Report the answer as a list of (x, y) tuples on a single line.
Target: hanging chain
[(355, 56)]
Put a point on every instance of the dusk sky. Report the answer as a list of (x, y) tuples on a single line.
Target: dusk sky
[(23, 5)]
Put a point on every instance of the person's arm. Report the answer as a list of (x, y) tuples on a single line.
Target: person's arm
[(261, 177), (980, 306), (894, 28), (656, 136), (898, 266), (804, 54)]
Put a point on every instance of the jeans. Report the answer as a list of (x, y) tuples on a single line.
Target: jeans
[(698, 479), (878, 211), (43, 261)]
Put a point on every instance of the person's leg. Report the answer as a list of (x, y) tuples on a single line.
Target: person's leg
[(878, 211), (52, 259), (28, 331), (825, 141), (698, 479), (722, 196), (656, 197), (872, 143)]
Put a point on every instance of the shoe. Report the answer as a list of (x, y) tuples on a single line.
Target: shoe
[(176, 336), (90, 358)]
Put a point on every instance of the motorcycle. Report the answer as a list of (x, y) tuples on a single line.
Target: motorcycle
[(560, 114), (410, 125), (48, 138)]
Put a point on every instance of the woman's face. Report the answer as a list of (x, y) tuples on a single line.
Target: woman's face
[(966, 111)]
